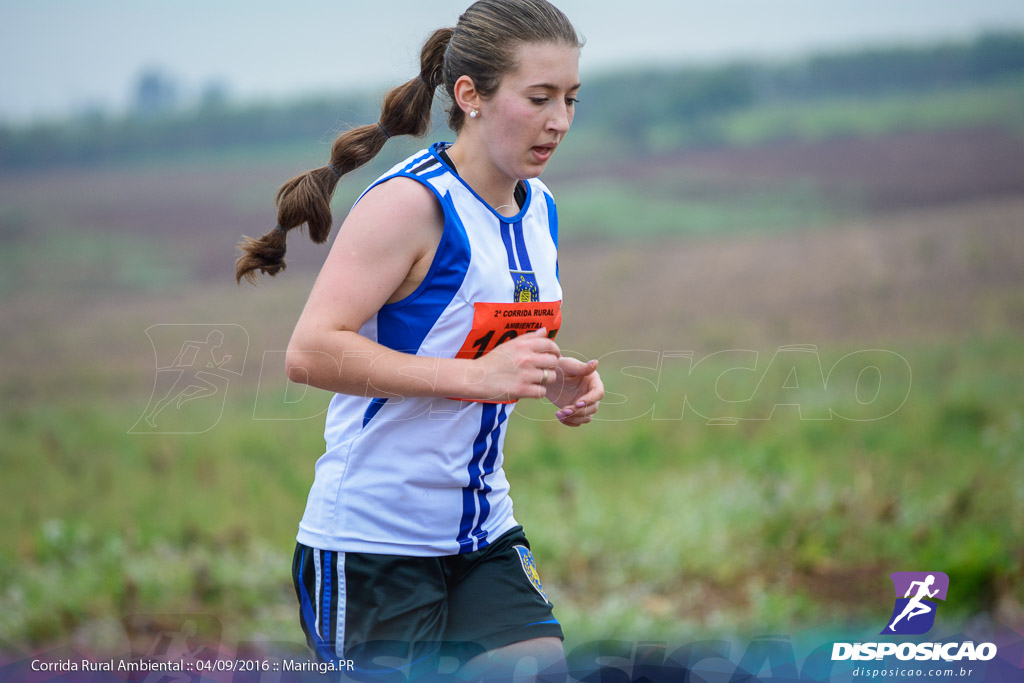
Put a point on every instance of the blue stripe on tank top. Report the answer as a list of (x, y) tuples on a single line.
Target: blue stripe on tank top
[(424, 166), (553, 226), (404, 172), (404, 325), (524, 257), (492, 457), (552, 219), (488, 412), (440, 170), (525, 269), (507, 239), (415, 162), (372, 409), (466, 523)]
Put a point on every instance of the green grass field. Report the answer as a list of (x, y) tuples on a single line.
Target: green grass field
[(999, 103), (650, 523)]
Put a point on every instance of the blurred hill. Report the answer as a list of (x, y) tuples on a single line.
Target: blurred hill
[(637, 112)]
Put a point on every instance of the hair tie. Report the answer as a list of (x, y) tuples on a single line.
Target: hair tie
[(334, 168), (383, 130), (426, 82), (281, 228)]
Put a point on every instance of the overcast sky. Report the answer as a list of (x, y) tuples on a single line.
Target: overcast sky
[(62, 56)]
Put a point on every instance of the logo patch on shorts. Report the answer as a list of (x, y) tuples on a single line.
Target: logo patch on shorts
[(530, 568)]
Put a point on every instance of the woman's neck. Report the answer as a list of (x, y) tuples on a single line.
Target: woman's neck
[(494, 187)]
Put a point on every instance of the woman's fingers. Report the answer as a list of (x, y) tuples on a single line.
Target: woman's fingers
[(524, 366), (580, 410), (538, 342), (585, 405), (573, 367)]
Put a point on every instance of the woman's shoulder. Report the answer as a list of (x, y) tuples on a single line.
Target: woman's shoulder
[(412, 163), (398, 198), (419, 168)]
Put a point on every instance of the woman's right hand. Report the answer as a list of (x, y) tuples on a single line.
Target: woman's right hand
[(518, 368)]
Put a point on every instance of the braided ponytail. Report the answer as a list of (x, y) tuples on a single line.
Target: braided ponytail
[(482, 46), (306, 198)]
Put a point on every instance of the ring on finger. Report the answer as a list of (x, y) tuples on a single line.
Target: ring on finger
[(544, 378)]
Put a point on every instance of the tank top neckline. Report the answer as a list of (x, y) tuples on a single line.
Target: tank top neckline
[(522, 193)]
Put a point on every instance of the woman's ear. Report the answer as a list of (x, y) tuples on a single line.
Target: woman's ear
[(467, 97)]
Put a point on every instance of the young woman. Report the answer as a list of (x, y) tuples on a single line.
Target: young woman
[(435, 311)]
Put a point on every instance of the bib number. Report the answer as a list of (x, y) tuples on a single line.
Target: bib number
[(494, 324)]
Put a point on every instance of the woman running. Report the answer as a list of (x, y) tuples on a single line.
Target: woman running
[(435, 311)]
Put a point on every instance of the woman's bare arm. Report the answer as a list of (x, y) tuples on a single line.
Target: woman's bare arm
[(380, 255)]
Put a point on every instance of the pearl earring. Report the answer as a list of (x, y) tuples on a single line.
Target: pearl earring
[(475, 113)]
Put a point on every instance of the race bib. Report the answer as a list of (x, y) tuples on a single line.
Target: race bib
[(494, 324)]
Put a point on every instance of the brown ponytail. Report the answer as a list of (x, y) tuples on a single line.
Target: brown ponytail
[(482, 46), (306, 198)]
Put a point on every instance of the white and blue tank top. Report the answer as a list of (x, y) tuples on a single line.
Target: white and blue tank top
[(423, 476)]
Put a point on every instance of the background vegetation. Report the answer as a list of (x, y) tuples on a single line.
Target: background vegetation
[(870, 91), (869, 200)]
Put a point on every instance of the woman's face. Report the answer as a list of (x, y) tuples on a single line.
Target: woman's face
[(523, 122)]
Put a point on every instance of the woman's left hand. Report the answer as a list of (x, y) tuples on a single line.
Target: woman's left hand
[(576, 389)]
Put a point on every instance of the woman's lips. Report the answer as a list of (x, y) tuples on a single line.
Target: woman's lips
[(543, 152)]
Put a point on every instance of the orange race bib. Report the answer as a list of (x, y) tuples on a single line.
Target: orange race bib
[(494, 324)]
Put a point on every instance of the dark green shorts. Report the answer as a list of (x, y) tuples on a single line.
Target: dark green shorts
[(363, 606)]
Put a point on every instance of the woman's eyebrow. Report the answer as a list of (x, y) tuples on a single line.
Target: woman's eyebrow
[(548, 86)]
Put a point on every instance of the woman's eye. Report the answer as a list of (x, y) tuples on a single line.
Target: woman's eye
[(571, 101), (538, 100)]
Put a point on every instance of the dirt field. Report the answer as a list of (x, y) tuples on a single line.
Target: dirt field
[(908, 275), (937, 249), (884, 173)]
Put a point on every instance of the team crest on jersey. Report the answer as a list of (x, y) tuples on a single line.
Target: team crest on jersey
[(526, 289), (530, 568)]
